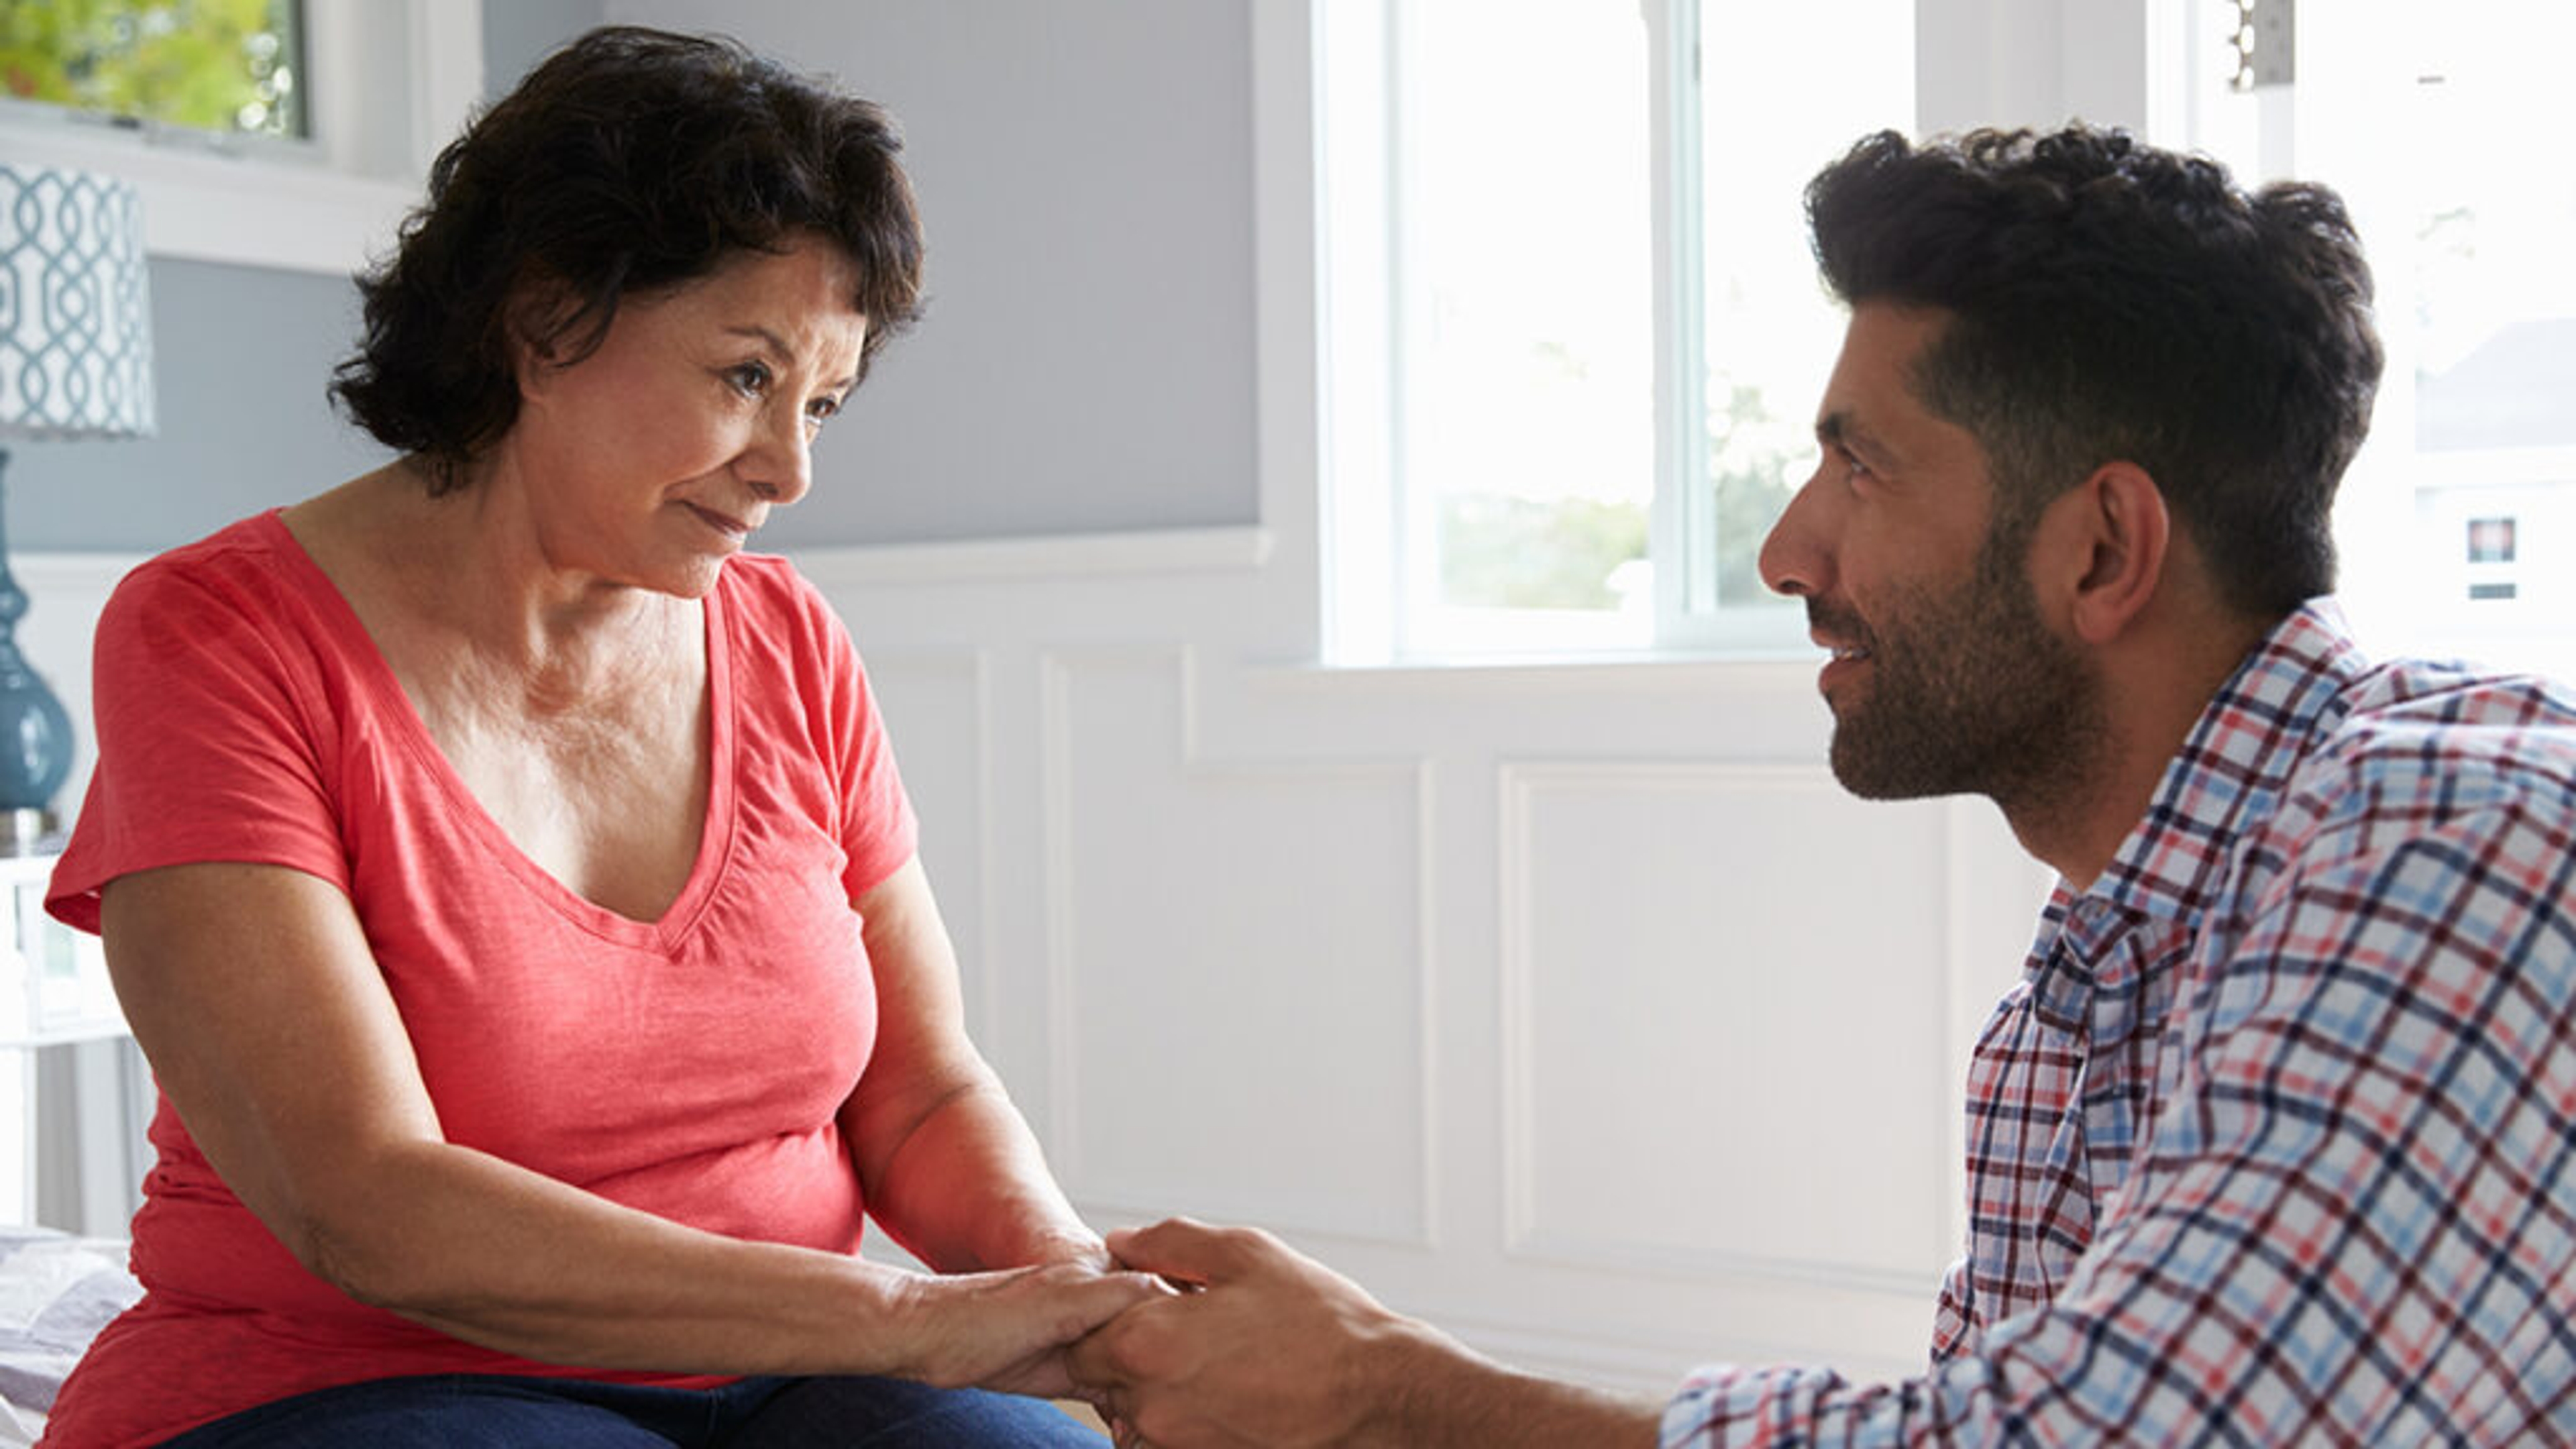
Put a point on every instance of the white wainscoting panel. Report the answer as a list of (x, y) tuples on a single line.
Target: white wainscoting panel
[(1724, 1002), (1239, 966)]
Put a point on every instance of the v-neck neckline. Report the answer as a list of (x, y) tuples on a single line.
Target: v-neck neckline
[(394, 704)]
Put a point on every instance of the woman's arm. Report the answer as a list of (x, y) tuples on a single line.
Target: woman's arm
[(252, 991), (950, 1169)]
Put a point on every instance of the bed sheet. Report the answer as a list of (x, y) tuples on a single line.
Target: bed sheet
[(56, 1292)]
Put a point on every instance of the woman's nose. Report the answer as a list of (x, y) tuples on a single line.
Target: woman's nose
[(780, 466)]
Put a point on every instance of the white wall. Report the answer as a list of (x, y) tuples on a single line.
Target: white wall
[(1575, 1008)]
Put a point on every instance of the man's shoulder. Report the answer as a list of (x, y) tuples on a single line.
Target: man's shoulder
[(2433, 714), (2421, 744)]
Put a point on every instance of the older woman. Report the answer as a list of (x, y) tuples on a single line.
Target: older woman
[(507, 875)]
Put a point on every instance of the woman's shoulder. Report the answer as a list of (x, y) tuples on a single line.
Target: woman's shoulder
[(770, 600), (244, 600), (244, 543), (768, 581), (250, 559)]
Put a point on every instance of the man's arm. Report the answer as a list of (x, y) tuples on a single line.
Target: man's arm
[(1265, 1347)]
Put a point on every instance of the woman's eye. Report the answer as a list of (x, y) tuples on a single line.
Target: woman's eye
[(820, 411), (751, 379)]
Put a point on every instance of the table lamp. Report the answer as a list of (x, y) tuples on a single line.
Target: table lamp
[(75, 362)]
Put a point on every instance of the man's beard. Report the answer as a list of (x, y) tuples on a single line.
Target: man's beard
[(1966, 692)]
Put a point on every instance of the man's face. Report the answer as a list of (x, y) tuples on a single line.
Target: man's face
[(1944, 677)]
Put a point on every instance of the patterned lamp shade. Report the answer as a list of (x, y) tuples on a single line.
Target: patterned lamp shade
[(75, 309), (75, 362)]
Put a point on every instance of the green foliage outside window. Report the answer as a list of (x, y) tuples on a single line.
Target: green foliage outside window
[(229, 66), (1753, 458), (1518, 553), (1522, 553)]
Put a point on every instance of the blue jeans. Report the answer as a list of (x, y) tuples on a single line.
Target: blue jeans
[(478, 1411)]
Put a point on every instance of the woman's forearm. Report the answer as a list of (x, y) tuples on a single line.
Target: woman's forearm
[(949, 1168), (497, 1256), (967, 1189)]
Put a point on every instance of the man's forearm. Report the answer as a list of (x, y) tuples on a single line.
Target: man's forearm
[(1433, 1392)]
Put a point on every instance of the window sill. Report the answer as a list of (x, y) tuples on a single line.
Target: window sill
[(1642, 671), (240, 210)]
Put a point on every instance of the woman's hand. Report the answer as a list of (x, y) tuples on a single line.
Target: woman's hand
[(1009, 1330)]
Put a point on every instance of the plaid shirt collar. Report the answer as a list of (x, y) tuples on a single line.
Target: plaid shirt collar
[(2231, 770)]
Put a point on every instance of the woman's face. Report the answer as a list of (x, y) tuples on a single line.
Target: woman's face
[(654, 459)]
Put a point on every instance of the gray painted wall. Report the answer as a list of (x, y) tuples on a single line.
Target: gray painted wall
[(241, 356), (518, 33), (1085, 176), (1087, 360)]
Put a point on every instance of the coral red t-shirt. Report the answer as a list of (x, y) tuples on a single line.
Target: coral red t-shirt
[(690, 1067)]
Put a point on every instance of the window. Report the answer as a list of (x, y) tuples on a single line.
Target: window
[(1575, 336), (219, 68), (381, 85), (2458, 522)]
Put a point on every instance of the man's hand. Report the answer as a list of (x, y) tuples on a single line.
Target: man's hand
[(1260, 1346)]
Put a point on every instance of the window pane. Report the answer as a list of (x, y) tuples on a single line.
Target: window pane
[(2457, 524), (2495, 346), (1770, 118), (230, 66), (1526, 337)]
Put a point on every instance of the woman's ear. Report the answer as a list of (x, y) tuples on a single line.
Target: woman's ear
[(2104, 545), (533, 329)]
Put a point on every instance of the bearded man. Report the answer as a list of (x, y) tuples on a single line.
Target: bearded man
[(2275, 1141)]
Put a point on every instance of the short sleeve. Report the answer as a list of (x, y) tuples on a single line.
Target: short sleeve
[(788, 633), (213, 733), (878, 827)]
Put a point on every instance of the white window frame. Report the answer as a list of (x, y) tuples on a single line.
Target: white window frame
[(393, 80), (1363, 518), (1369, 520), (2337, 121), (1322, 380)]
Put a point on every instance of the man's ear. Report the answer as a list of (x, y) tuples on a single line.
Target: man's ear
[(2103, 547)]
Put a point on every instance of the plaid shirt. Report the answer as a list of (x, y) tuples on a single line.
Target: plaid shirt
[(2276, 1139)]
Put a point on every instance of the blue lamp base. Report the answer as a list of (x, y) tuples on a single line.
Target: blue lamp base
[(35, 733)]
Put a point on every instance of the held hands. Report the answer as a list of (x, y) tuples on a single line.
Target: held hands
[(1010, 1330), (1260, 1346)]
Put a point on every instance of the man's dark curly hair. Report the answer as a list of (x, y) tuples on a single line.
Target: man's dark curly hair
[(2110, 301), (629, 162)]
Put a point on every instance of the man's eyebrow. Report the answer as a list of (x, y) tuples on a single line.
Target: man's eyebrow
[(1839, 429)]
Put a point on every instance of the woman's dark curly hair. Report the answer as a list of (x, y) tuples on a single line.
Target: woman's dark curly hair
[(2110, 301), (631, 161)]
